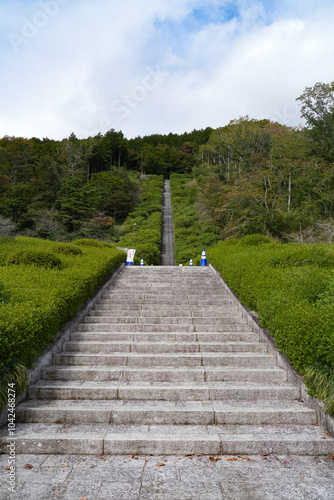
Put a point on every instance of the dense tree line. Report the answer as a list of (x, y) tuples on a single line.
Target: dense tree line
[(55, 188), (252, 176), (257, 176)]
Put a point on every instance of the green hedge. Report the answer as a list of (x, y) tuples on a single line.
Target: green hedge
[(291, 287), (35, 258), (147, 216), (38, 301), (193, 229)]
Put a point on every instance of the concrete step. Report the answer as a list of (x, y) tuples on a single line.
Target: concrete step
[(162, 347), (181, 391), (111, 439), (165, 412), (164, 374), (250, 360), (157, 301), (168, 337), (167, 320), (226, 326), (112, 306), (177, 304), (110, 319), (130, 327)]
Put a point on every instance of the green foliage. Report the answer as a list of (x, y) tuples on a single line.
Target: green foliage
[(306, 255), (42, 300), (327, 296), (163, 154), (254, 240), (112, 193), (4, 295), (35, 258), (12, 373), (263, 177), (290, 289), (320, 382), (74, 204), (193, 226), (88, 242), (317, 107), (145, 237), (67, 249)]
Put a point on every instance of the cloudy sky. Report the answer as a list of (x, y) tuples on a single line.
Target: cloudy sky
[(157, 66)]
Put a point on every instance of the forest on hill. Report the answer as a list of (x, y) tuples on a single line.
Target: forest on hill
[(251, 176)]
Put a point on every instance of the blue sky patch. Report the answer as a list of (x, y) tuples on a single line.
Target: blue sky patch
[(177, 33)]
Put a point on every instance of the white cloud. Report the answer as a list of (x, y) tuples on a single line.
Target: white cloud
[(107, 64)]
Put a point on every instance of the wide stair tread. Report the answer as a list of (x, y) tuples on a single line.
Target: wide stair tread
[(165, 391), (136, 412), (94, 439), (164, 374)]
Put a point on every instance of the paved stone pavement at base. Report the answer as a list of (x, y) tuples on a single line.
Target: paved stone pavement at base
[(186, 478)]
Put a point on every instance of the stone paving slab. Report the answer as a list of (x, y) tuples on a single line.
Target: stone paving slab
[(95, 477)]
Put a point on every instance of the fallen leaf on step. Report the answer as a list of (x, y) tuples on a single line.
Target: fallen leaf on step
[(161, 464), (331, 457), (323, 438), (178, 458), (28, 466), (198, 455), (7, 468), (83, 498), (214, 459), (132, 456), (243, 458), (65, 464)]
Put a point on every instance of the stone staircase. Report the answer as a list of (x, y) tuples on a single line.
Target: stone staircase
[(165, 364)]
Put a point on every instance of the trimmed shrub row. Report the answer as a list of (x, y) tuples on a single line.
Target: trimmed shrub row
[(291, 287), (147, 216), (193, 230), (39, 299)]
